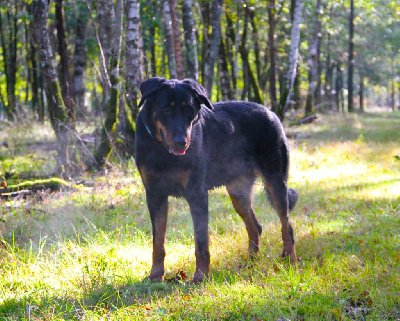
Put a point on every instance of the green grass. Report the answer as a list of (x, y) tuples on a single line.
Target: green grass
[(85, 254)]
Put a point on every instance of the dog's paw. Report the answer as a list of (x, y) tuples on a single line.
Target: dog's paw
[(196, 281), (290, 256), (199, 277), (156, 277)]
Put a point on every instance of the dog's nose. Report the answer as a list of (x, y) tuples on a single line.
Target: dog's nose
[(180, 141)]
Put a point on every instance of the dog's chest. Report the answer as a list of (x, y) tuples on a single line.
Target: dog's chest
[(172, 180)]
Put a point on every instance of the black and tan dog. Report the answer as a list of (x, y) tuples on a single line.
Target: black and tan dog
[(186, 146)]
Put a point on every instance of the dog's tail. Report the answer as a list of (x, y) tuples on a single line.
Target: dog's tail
[(293, 197)]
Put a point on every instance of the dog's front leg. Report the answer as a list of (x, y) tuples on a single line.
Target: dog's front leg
[(158, 208), (198, 203)]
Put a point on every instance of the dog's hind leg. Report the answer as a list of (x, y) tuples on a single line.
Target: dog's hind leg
[(240, 192), (158, 208), (278, 193)]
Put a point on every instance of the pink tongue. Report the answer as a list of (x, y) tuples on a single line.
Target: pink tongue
[(179, 152)]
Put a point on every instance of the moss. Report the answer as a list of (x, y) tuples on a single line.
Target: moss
[(53, 184)]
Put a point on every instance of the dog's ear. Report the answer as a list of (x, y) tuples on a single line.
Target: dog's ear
[(149, 87), (200, 91)]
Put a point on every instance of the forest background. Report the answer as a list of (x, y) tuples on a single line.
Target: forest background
[(84, 61)]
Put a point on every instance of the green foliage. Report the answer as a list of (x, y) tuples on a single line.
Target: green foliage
[(376, 42)]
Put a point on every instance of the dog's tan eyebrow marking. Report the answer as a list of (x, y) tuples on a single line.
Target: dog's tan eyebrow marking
[(183, 103), (172, 103)]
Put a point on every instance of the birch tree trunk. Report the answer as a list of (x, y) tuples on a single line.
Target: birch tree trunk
[(169, 40), (293, 60), (215, 39), (190, 40), (134, 70), (56, 106), (105, 143), (313, 61), (79, 61), (173, 5)]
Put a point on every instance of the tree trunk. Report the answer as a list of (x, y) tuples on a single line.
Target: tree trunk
[(256, 46), (293, 60), (173, 4), (245, 91), (351, 58), (328, 72), (192, 68), (169, 44), (212, 53), (134, 70), (34, 72), (226, 90), (271, 44), (10, 58), (313, 62), (79, 60), (105, 21), (232, 40), (154, 8), (134, 74), (105, 143), (393, 94), (64, 58), (249, 75), (57, 109), (153, 69), (337, 86), (393, 83), (362, 109), (319, 72)]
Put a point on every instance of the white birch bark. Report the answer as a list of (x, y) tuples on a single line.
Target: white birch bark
[(294, 50), (134, 70)]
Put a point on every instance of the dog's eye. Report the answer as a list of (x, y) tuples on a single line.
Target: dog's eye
[(166, 109)]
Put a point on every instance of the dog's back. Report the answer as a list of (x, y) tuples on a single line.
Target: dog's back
[(240, 138)]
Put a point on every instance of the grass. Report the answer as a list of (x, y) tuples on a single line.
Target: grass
[(84, 255)]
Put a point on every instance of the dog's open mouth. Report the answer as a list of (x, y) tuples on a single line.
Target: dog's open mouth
[(172, 150), (177, 152)]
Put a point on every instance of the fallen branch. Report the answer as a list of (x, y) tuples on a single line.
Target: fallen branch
[(309, 119), (22, 193)]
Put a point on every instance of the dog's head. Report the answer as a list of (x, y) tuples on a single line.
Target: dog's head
[(171, 108)]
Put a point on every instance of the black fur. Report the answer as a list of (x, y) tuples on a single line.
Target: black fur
[(184, 150)]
